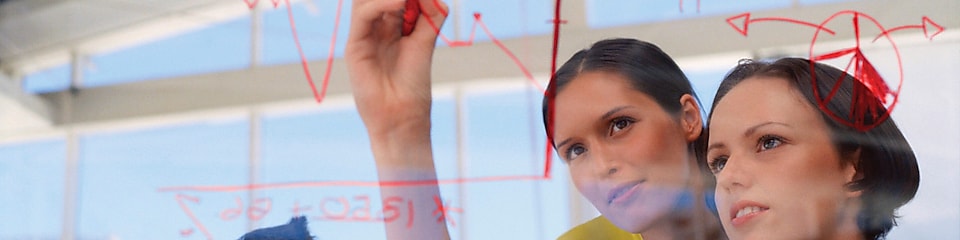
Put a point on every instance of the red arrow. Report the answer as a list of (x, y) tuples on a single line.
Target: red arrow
[(930, 29), (745, 21)]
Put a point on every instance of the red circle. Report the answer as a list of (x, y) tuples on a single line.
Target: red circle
[(821, 103)]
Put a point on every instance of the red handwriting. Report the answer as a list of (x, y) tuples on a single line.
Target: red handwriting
[(193, 218), (256, 211), (357, 208), (443, 210), (872, 96), (309, 184)]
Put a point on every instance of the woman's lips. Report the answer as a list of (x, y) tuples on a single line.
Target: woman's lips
[(623, 191), (743, 211)]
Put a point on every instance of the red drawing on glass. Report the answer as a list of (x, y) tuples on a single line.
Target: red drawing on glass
[(477, 21), (872, 95), (256, 211), (443, 210), (321, 93), (548, 153), (193, 218), (360, 209), (318, 95)]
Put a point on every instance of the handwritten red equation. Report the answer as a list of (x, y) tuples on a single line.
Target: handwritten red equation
[(359, 208), (859, 63)]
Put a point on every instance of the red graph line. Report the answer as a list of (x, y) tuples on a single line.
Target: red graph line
[(469, 42), (317, 95), (320, 94), (549, 94), (237, 188)]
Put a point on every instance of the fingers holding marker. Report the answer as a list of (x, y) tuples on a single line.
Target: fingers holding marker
[(410, 14), (432, 15)]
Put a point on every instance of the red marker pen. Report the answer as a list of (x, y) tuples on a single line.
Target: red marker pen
[(410, 15)]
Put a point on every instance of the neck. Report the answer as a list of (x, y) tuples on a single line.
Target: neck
[(690, 218), (847, 227), (694, 221)]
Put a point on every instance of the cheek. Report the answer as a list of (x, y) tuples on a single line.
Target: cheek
[(723, 203), (585, 184)]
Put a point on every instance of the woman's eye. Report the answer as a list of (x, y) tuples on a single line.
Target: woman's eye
[(574, 151), (619, 124), (717, 164), (768, 142)]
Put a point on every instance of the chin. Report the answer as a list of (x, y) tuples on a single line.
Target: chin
[(628, 223), (635, 219)]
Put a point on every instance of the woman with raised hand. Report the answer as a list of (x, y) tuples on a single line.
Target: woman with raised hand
[(789, 165), (624, 117)]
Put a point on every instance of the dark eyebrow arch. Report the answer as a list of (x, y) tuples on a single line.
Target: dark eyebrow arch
[(747, 133), (716, 145), (612, 111), (602, 117), (752, 130)]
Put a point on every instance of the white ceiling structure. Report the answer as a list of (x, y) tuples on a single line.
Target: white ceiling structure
[(35, 34)]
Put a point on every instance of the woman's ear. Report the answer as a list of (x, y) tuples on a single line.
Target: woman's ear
[(690, 118), (852, 173)]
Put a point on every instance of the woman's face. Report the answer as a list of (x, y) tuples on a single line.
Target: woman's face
[(626, 155), (778, 174)]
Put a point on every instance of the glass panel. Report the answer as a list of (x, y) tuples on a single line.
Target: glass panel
[(48, 80), (123, 177), (224, 46), (31, 189)]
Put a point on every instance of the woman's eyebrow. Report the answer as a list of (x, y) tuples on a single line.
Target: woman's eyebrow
[(752, 130), (564, 142), (612, 111), (747, 133), (602, 118), (716, 145)]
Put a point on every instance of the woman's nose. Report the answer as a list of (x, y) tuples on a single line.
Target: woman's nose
[(606, 161), (734, 175)]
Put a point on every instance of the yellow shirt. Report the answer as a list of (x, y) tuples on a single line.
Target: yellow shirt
[(598, 228)]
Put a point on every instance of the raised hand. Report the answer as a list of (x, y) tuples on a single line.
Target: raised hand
[(390, 73)]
